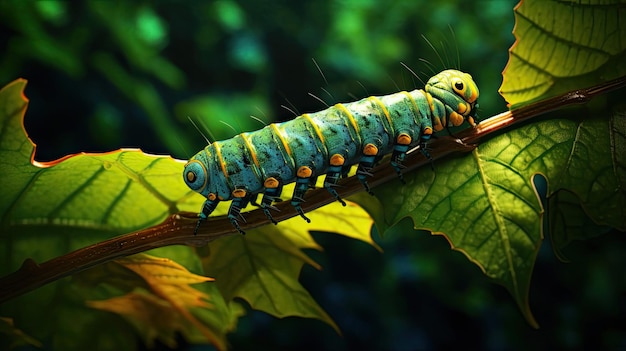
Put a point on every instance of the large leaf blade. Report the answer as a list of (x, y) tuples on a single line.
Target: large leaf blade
[(561, 46), (263, 267), (486, 204), (51, 208), (55, 207), (93, 191)]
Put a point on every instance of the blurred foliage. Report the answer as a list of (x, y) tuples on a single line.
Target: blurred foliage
[(104, 75)]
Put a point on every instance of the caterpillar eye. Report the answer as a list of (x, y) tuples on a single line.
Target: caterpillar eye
[(195, 175), (191, 177), (459, 87)]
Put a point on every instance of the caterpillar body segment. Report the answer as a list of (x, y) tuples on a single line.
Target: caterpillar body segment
[(327, 143)]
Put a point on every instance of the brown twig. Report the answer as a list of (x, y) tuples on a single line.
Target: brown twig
[(178, 229)]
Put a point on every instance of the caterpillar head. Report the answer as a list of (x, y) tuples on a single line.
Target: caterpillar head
[(458, 92), (202, 176), (195, 175)]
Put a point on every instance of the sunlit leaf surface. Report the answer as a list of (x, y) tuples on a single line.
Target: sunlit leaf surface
[(563, 46), (52, 208)]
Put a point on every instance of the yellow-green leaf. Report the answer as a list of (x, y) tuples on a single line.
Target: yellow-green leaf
[(50, 209), (13, 337), (563, 46), (263, 266), (167, 306), (168, 279), (153, 317)]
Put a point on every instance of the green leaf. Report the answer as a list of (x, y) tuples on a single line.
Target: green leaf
[(49, 209), (80, 198), (105, 194), (585, 213), (569, 222), (263, 266), (594, 170), (563, 45), (486, 204)]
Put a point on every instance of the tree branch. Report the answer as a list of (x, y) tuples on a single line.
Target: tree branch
[(178, 228)]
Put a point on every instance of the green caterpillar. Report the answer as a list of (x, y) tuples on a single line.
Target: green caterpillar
[(327, 142)]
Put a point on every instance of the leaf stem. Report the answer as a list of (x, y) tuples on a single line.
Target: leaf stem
[(178, 229)]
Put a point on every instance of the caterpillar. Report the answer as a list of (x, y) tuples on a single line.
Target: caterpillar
[(327, 142)]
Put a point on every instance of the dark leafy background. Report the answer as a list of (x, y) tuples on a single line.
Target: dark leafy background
[(104, 75)]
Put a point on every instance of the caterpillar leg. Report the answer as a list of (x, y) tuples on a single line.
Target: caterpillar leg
[(303, 183), (273, 188), (399, 152), (366, 163), (333, 175), (240, 201), (209, 206), (424, 151), (423, 146)]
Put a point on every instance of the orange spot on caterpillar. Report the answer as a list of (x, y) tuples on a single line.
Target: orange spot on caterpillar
[(370, 150), (239, 193), (462, 108), (271, 183), (337, 160), (304, 172), (456, 119), (403, 139)]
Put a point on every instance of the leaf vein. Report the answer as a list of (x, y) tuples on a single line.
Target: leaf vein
[(501, 227)]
